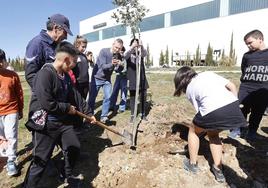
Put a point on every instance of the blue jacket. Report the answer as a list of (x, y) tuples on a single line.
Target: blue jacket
[(103, 68), (40, 50)]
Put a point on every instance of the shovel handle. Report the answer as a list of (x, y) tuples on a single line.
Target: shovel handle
[(99, 123)]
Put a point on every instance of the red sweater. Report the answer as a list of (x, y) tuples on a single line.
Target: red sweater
[(11, 94)]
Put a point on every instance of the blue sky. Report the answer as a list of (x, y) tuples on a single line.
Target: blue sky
[(21, 20)]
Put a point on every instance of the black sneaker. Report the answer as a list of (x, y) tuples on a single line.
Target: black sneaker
[(219, 176), (190, 167), (74, 181)]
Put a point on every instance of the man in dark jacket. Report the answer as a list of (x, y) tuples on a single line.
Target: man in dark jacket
[(41, 49), (53, 105)]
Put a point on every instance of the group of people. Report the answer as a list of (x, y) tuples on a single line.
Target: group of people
[(64, 79), (221, 107), (124, 64)]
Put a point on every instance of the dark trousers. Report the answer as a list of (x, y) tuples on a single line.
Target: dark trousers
[(255, 103), (44, 143), (83, 89), (132, 94)]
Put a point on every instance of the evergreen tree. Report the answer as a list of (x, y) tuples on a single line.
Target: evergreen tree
[(232, 55), (167, 57), (161, 59), (188, 59), (197, 57), (224, 60), (147, 60), (172, 58), (209, 56)]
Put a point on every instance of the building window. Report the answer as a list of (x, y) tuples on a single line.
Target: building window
[(196, 13), (91, 37), (239, 6), (151, 23), (114, 31)]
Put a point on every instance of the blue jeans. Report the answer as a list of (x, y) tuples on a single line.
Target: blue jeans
[(120, 84), (95, 87)]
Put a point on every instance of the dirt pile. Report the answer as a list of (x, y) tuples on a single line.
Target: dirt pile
[(157, 160)]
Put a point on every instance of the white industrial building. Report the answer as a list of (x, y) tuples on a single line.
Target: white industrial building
[(182, 25)]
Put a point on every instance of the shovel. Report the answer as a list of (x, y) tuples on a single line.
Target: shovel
[(126, 136)]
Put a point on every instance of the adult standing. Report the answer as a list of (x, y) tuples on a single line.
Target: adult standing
[(132, 59), (253, 89), (102, 73), (41, 49)]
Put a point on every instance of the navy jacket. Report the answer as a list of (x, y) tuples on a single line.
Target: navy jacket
[(40, 50)]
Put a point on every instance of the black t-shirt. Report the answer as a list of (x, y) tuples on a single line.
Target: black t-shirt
[(255, 69)]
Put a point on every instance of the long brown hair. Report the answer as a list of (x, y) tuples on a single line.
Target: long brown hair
[(182, 78)]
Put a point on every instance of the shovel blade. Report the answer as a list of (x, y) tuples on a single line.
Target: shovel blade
[(127, 138)]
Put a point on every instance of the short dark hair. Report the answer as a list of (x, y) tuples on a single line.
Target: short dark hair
[(132, 40), (256, 34), (2, 55), (67, 48), (182, 78)]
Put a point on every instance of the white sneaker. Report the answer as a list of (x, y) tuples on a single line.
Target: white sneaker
[(11, 168)]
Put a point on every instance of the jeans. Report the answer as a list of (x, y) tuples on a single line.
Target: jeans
[(120, 84), (9, 131), (95, 87)]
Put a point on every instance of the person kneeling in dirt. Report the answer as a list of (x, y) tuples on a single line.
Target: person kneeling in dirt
[(215, 100), (52, 109)]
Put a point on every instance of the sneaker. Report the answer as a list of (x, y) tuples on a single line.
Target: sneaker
[(219, 176), (11, 168), (235, 133), (190, 167), (104, 120), (74, 181), (120, 111)]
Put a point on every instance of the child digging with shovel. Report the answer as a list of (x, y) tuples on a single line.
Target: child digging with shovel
[(215, 100)]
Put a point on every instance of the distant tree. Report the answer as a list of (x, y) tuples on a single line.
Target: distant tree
[(171, 58), (209, 56), (224, 60), (197, 57), (148, 62), (161, 59), (232, 55), (167, 56), (188, 59), (152, 61)]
